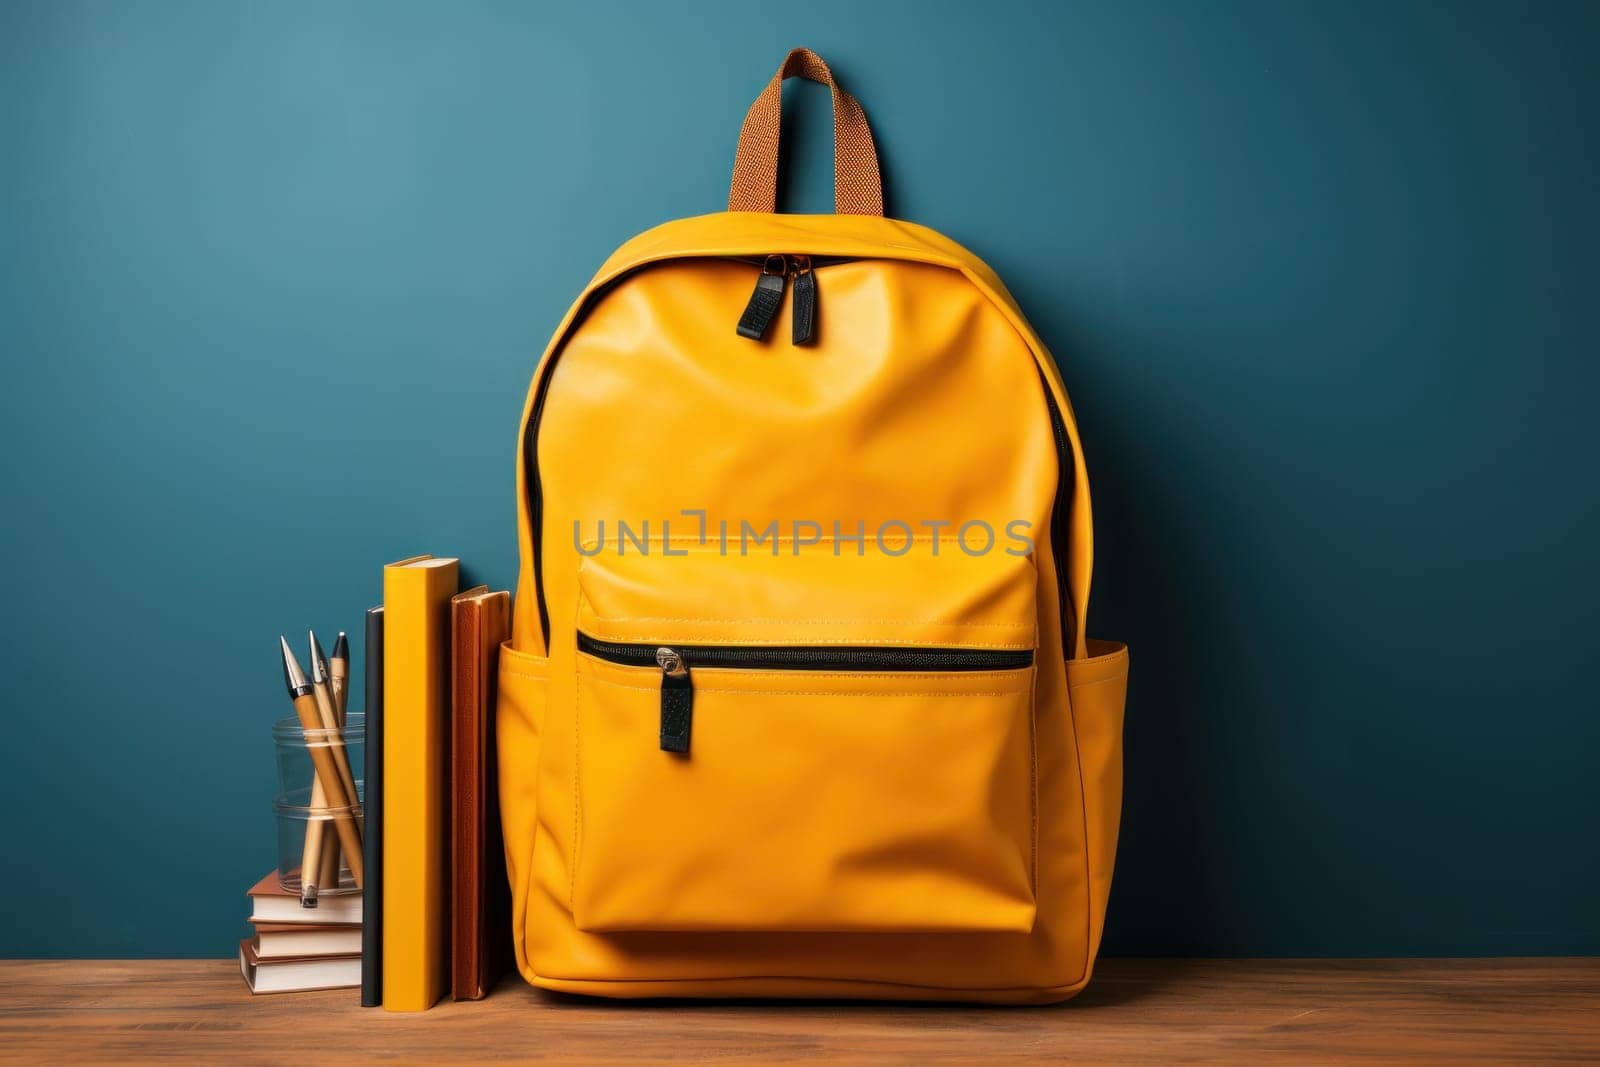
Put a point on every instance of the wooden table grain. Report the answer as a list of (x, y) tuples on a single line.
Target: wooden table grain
[(181, 1011)]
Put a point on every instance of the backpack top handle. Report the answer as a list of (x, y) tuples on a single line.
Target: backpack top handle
[(857, 186)]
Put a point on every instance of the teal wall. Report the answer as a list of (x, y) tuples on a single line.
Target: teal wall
[(1322, 279)]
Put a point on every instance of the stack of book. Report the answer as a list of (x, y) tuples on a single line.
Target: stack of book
[(289, 953), (433, 917)]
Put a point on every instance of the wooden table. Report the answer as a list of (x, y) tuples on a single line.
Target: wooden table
[(199, 1011)]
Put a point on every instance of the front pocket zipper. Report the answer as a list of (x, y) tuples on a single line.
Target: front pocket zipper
[(677, 685), (806, 295)]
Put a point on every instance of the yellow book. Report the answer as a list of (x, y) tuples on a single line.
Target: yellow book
[(416, 807)]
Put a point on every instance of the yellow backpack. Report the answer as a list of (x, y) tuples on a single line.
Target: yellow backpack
[(798, 701)]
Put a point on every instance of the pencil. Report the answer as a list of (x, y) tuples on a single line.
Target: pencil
[(323, 694), (312, 851), (333, 719), (339, 682), (320, 853), (301, 694)]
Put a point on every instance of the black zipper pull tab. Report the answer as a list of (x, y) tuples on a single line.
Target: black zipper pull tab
[(677, 700), (765, 301), (805, 300)]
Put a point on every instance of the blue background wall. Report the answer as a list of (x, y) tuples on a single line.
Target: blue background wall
[(1322, 280)]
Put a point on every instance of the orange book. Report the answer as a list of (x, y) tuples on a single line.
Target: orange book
[(416, 678)]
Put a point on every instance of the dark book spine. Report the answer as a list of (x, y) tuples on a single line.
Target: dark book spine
[(372, 806)]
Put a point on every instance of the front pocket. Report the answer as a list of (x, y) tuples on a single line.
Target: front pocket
[(863, 764)]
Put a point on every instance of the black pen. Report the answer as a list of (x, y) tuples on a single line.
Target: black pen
[(339, 676)]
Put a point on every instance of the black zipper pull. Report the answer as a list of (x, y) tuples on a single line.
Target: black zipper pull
[(677, 699), (766, 299), (805, 299)]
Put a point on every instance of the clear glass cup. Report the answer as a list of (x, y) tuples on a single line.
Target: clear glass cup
[(298, 818), (294, 758)]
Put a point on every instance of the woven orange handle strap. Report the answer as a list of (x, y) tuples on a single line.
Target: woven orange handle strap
[(857, 188)]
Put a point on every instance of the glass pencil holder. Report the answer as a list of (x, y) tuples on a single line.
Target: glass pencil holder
[(316, 837)]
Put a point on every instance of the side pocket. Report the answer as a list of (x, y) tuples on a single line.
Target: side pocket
[(518, 719), (1098, 687)]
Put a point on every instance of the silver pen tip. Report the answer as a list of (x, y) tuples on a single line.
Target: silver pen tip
[(293, 676), (319, 659)]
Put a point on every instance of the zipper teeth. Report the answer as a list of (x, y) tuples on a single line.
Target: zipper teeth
[(1060, 516), (812, 657), (816, 261)]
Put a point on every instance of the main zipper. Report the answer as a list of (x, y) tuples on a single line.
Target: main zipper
[(1059, 533), (677, 686), (768, 297), (1061, 514)]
